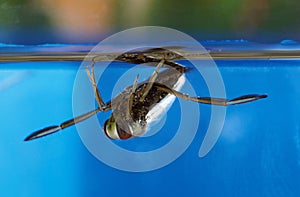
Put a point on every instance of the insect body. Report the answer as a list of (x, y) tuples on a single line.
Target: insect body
[(143, 103), (143, 107)]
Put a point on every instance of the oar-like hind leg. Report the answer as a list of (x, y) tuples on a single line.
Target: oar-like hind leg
[(101, 107), (52, 129), (212, 101)]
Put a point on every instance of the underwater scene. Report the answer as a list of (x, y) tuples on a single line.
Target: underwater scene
[(256, 153)]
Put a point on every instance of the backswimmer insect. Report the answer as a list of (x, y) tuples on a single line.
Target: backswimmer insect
[(137, 106)]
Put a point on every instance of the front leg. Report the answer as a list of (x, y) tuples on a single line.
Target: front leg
[(152, 80), (131, 97)]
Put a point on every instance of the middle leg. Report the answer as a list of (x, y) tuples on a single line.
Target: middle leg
[(90, 70)]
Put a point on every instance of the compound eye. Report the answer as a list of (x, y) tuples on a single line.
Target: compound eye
[(110, 129), (123, 135), (113, 131)]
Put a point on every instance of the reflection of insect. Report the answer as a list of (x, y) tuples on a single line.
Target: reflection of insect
[(139, 105)]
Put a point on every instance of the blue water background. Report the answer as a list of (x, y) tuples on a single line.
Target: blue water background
[(257, 154)]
